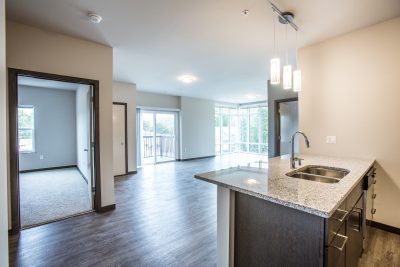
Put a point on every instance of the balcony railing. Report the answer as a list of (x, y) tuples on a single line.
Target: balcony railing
[(164, 146)]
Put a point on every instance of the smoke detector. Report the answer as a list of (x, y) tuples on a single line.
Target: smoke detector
[(95, 18)]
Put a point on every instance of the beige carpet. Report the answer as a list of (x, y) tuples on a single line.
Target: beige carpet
[(51, 195)]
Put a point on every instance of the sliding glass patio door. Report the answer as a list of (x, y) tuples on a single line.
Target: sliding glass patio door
[(157, 136)]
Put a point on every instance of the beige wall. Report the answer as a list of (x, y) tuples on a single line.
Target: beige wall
[(126, 93), (38, 50), (3, 142), (351, 89), (153, 100)]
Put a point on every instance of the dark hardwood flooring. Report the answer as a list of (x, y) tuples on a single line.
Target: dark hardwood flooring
[(383, 250), (164, 217)]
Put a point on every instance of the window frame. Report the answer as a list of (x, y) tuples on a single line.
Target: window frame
[(33, 129)]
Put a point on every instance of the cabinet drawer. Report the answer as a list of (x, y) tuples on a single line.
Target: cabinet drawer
[(336, 221), (354, 196), (336, 251)]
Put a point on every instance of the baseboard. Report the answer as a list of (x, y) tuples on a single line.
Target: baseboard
[(83, 176), (206, 157), (48, 169), (128, 173), (106, 208), (384, 227)]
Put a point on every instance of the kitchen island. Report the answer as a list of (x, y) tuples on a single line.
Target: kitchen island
[(266, 218)]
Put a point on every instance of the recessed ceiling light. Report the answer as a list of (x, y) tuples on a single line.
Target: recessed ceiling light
[(187, 78), (95, 18)]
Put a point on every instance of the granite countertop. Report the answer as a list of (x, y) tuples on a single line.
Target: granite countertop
[(272, 184)]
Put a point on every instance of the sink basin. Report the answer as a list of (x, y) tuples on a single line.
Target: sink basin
[(316, 178), (321, 174), (325, 171)]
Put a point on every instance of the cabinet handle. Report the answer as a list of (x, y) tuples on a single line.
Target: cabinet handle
[(345, 212), (373, 196), (359, 213), (373, 211), (374, 182), (341, 247)]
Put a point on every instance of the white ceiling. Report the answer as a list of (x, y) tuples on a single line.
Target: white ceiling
[(155, 41), (42, 83)]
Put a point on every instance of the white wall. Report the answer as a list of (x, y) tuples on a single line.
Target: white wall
[(3, 143), (126, 93), (197, 128), (35, 49), (83, 133), (144, 99), (55, 127), (351, 89)]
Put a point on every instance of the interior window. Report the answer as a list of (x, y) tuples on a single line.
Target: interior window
[(26, 129)]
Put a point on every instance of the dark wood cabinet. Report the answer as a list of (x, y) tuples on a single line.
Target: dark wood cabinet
[(269, 234), (354, 226)]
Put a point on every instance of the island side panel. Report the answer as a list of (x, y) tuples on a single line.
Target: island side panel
[(269, 234), (225, 226)]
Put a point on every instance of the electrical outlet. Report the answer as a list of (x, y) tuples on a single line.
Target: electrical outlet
[(331, 139), (41, 157)]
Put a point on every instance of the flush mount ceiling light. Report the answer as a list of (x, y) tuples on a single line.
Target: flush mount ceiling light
[(187, 78), (251, 96), (95, 18)]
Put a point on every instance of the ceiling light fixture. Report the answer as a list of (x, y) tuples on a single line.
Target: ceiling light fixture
[(251, 96), (290, 79), (297, 72), (287, 69), (187, 78), (95, 18), (275, 62)]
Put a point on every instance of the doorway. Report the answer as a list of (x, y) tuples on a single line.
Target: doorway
[(287, 120), (120, 138), (54, 141), (158, 131)]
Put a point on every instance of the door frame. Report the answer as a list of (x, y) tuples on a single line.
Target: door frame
[(126, 135), (278, 123), (13, 136), (177, 130)]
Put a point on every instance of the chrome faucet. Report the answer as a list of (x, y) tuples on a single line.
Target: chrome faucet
[(292, 157)]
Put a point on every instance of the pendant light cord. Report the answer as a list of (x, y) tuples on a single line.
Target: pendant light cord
[(286, 41)]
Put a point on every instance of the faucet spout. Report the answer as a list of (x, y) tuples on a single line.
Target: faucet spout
[(292, 157)]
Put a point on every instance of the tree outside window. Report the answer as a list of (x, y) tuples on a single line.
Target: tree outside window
[(26, 129)]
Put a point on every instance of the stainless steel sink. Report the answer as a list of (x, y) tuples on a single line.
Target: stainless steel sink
[(316, 178), (325, 171), (321, 174)]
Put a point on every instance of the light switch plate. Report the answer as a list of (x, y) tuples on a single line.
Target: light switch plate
[(331, 139)]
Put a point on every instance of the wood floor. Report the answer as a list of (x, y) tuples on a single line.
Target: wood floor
[(383, 250), (164, 217)]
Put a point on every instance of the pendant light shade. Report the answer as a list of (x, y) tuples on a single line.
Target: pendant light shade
[(275, 71), (287, 77), (297, 81)]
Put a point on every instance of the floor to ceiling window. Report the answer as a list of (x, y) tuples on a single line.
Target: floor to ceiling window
[(243, 128)]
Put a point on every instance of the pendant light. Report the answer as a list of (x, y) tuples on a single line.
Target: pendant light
[(287, 69), (275, 62), (297, 72)]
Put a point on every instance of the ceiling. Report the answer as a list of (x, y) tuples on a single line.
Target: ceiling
[(42, 83), (155, 41)]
